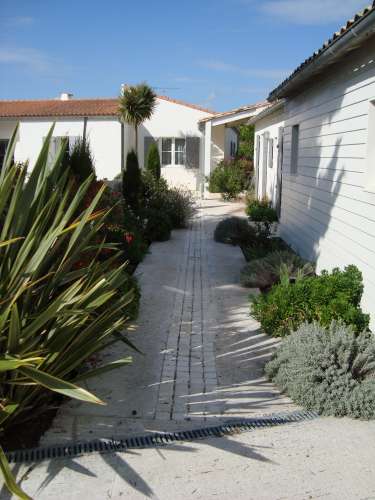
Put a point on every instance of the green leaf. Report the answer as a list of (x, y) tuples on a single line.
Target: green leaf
[(14, 364), (9, 478), (61, 386), (104, 369)]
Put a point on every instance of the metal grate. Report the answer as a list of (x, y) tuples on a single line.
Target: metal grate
[(155, 439)]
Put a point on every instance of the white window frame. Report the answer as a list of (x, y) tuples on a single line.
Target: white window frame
[(173, 151)]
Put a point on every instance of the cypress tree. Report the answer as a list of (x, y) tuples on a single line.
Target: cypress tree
[(153, 161), (131, 180)]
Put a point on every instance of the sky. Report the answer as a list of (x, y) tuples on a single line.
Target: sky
[(219, 54)]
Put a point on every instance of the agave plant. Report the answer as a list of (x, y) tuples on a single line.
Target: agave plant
[(53, 315)]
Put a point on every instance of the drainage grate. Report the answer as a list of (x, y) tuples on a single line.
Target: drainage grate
[(156, 438)]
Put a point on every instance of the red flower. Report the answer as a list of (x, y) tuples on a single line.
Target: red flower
[(129, 237)]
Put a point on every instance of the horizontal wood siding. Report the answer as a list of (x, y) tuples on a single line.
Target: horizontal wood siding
[(327, 212)]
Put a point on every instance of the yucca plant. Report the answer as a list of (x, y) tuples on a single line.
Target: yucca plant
[(53, 314)]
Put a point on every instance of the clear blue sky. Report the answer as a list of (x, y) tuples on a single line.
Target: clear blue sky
[(217, 53)]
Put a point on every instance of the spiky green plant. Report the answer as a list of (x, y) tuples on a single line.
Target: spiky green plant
[(267, 271), (53, 314), (328, 369), (136, 104)]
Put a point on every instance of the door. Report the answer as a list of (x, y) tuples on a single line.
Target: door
[(279, 175)]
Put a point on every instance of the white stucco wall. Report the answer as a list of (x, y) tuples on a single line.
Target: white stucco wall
[(104, 135), (174, 120), (268, 126), (328, 210)]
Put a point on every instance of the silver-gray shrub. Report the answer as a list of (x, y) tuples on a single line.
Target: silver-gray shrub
[(329, 370), (268, 270)]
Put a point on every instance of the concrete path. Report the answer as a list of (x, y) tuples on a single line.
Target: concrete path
[(327, 458), (203, 362), (203, 354)]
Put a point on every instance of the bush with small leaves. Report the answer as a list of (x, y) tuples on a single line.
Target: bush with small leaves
[(265, 272), (261, 213), (323, 298), (234, 231), (229, 178), (330, 370), (158, 226)]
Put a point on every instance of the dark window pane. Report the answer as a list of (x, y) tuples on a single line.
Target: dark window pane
[(166, 157), (3, 149)]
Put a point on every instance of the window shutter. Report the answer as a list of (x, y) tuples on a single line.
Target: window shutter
[(148, 141), (257, 163), (266, 139), (192, 152)]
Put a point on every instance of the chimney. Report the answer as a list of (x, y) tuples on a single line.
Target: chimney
[(65, 96)]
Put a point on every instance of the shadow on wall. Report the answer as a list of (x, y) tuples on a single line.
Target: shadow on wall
[(307, 203)]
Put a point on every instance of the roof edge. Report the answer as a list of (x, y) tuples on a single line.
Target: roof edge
[(349, 37), (272, 108)]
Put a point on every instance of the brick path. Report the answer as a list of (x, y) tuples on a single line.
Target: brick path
[(189, 361)]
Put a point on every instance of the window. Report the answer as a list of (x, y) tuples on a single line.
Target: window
[(173, 151), (294, 150), (233, 149), (166, 151), (3, 149), (179, 152), (270, 153)]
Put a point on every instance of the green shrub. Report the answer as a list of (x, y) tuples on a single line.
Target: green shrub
[(234, 231), (81, 160), (265, 272), (323, 298), (261, 247), (132, 181), (177, 204), (229, 178), (180, 205), (329, 370), (54, 313), (153, 161), (158, 226), (261, 211), (263, 215)]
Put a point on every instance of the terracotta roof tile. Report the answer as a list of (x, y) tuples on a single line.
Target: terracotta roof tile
[(71, 107)]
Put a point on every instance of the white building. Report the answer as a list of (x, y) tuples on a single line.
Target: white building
[(188, 149), (322, 133)]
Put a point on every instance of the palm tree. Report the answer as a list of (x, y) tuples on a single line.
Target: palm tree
[(136, 104)]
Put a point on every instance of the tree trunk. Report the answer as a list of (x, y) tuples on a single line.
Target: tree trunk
[(136, 139)]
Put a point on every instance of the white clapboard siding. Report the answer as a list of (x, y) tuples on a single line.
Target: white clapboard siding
[(352, 211), (327, 211)]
